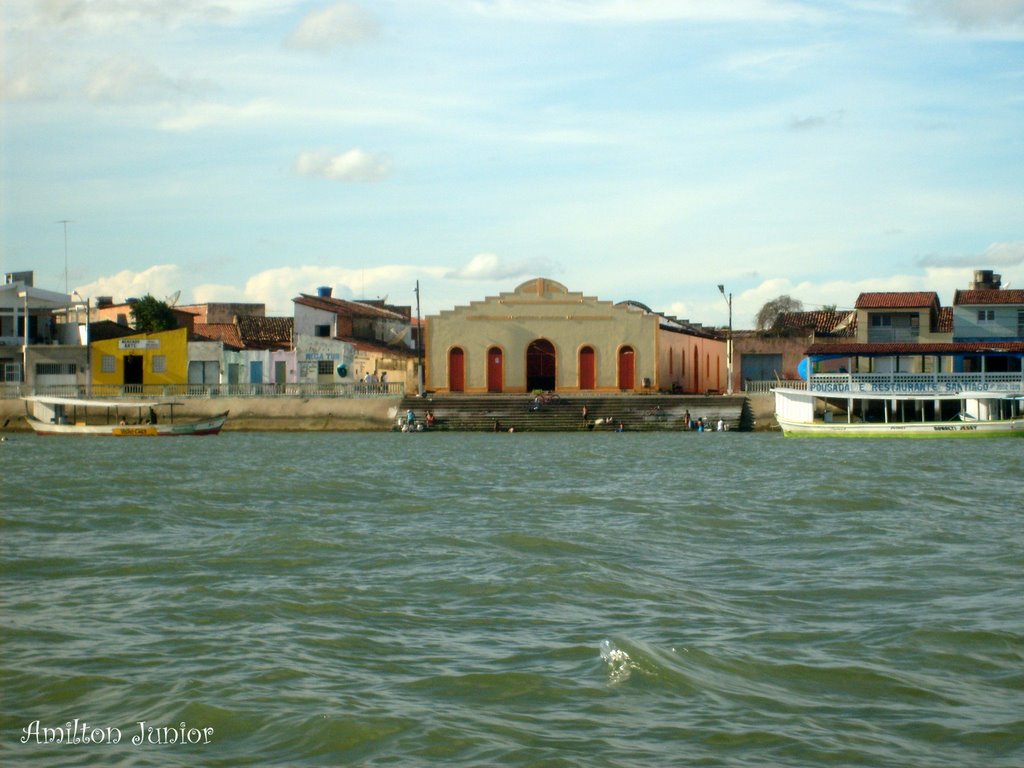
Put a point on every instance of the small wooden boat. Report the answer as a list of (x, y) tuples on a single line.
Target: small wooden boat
[(114, 418)]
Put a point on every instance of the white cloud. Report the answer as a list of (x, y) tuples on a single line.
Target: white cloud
[(813, 122), (24, 84), (1007, 254), (325, 29), (211, 114), (772, 63), (489, 266), (116, 15), (999, 16), (277, 287), (130, 78), (354, 165), (648, 11), (161, 281)]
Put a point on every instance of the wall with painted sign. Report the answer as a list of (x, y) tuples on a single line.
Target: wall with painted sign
[(145, 358)]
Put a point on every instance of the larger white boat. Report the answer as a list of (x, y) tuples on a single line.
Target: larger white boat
[(903, 405), (113, 418)]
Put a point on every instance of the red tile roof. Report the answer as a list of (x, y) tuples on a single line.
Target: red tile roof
[(223, 332), (266, 332), (944, 322), (898, 300), (344, 307), (990, 296), (369, 346), (822, 322), (907, 348)]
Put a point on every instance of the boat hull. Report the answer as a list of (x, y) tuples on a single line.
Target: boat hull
[(211, 426), (922, 430)]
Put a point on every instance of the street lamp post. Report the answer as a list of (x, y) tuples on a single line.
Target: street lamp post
[(85, 340), (728, 340)]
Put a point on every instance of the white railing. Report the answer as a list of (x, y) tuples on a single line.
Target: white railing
[(765, 387), (208, 391), (918, 383)]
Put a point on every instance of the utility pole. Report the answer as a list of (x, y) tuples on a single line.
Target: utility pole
[(419, 343), (728, 341), (65, 222)]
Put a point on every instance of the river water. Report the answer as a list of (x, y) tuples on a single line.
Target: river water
[(444, 599)]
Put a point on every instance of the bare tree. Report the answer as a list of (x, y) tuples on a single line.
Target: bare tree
[(769, 314)]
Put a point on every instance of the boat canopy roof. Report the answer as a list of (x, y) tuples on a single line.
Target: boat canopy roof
[(98, 403), (831, 351)]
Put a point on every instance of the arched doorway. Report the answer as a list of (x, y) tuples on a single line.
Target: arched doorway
[(495, 369), (456, 370), (540, 365), (627, 368), (696, 371), (587, 368)]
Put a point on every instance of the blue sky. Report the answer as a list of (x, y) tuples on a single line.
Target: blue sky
[(249, 150)]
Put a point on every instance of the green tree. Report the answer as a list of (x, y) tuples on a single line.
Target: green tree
[(769, 314), (150, 315)]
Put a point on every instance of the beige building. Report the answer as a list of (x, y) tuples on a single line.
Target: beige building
[(541, 336)]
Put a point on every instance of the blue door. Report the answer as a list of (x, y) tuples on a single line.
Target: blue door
[(256, 372)]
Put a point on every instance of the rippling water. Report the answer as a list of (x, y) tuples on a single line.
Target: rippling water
[(515, 600)]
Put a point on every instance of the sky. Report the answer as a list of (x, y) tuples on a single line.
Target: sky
[(646, 150)]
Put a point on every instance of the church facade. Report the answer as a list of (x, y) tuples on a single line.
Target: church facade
[(541, 336)]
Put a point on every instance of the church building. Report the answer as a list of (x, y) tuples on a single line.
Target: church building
[(541, 336)]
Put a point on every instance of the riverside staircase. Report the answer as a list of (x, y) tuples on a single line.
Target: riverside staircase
[(653, 412)]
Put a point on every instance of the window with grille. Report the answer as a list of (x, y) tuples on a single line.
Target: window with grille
[(56, 369)]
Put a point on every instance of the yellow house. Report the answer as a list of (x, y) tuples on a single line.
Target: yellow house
[(141, 359), (541, 336)]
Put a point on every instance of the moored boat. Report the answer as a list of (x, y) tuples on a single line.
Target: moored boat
[(816, 413), (113, 418)]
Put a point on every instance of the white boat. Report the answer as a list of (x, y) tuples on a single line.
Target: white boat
[(846, 411), (115, 418)]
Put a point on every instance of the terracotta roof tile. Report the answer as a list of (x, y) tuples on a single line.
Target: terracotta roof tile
[(898, 300), (223, 332), (345, 307), (266, 332), (944, 323), (990, 296), (823, 322)]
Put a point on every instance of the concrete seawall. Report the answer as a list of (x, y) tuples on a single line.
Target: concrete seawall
[(253, 414), (259, 414)]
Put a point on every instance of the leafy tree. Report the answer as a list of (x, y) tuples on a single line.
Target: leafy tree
[(150, 315), (772, 310)]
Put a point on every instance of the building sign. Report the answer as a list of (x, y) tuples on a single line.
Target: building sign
[(135, 344), (317, 356), (913, 387)]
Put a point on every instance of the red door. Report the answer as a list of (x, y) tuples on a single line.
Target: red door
[(627, 368), (495, 370), (588, 370), (456, 370)]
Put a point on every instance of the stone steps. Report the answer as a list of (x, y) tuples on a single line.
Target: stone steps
[(486, 413)]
